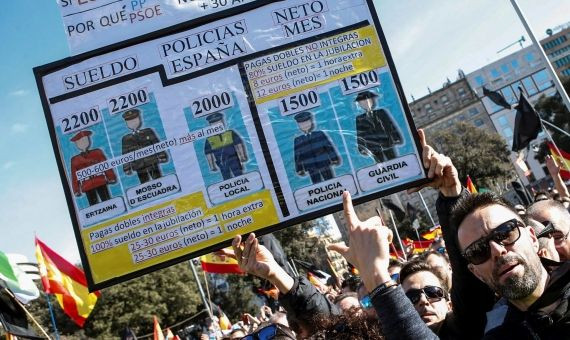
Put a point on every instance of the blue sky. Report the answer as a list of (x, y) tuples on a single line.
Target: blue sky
[(430, 40)]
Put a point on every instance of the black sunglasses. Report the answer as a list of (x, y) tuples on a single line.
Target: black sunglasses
[(547, 231), (431, 292), (505, 234)]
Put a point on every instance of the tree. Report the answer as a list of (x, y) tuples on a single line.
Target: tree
[(475, 152), (170, 294), (553, 110)]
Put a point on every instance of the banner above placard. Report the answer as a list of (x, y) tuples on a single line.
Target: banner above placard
[(91, 24), (170, 146)]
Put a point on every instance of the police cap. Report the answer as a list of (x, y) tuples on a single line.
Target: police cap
[(131, 114), (303, 116), (81, 134), (365, 95), (215, 117)]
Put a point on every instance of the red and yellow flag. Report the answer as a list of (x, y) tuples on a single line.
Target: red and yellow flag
[(562, 159), (220, 264), (157, 334), (470, 186), (66, 282), (432, 233)]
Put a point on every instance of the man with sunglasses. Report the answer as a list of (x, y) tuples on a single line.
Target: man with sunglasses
[(551, 211), (502, 252), (427, 291), (544, 234)]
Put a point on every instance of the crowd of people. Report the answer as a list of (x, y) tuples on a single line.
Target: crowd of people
[(504, 274)]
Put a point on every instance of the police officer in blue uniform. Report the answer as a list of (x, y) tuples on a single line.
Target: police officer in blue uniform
[(314, 152), (376, 132), (225, 151)]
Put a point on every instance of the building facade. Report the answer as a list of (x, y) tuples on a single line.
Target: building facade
[(557, 48)]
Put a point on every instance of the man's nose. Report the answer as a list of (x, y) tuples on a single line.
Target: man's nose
[(423, 301), (497, 249)]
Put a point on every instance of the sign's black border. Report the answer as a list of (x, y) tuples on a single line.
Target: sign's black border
[(41, 71)]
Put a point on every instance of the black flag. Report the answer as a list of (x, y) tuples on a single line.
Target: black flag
[(496, 98), (527, 124), (13, 317), (412, 212), (393, 203)]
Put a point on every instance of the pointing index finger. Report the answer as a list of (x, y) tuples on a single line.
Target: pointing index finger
[(349, 212)]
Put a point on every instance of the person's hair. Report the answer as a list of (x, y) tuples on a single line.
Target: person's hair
[(537, 197), (351, 326), (427, 253), (546, 204), (538, 227), (344, 296), (417, 266), (394, 263), (470, 203), (352, 282)]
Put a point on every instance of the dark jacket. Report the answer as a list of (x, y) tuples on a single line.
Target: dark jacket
[(376, 131), (141, 139), (304, 301), (471, 298), (548, 317)]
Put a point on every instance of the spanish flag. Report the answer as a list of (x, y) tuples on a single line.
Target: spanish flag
[(213, 263), (470, 186), (562, 159), (66, 282), (432, 233)]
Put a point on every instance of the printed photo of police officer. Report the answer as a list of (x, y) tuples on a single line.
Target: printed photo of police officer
[(376, 133), (95, 186), (225, 151), (147, 168), (314, 152)]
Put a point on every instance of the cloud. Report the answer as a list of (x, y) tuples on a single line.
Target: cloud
[(19, 93), (8, 165), (19, 128)]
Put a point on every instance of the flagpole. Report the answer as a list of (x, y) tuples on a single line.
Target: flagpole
[(201, 290), (555, 127), (426, 207), (397, 233), (52, 317), (553, 74), (417, 234)]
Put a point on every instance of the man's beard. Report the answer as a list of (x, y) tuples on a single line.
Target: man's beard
[(517, 287)]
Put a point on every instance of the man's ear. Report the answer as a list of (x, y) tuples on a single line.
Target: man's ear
[(533, 239), (473, 270)]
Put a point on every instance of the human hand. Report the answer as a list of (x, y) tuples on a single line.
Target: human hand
[(369, 249), (255, 259), (552, 166), (225, 252), (441, 170)]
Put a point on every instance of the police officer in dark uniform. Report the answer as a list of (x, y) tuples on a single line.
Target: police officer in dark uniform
[(147, 168), (95, 186), (314, 152), (225, 150), (376, 132)]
